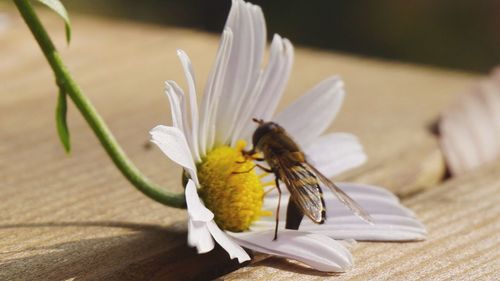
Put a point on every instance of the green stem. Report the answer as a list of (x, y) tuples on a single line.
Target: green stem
[(102, 132)]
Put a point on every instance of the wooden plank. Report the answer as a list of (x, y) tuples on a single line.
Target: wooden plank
[(74, 216)]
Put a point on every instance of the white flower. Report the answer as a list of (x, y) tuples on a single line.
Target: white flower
[(469, 129), (205, 141)]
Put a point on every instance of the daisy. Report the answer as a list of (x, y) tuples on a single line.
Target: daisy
[(237, 209)]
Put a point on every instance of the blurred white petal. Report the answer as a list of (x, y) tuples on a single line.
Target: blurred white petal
[(470, 127)]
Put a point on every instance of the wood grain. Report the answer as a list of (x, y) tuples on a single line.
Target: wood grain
[(75, 217)]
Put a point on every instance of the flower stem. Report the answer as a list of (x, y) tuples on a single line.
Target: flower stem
[(102, 132)]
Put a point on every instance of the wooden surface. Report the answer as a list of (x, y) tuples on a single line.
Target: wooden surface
[(75, 217)]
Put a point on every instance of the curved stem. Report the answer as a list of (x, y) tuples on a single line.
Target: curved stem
[(102, 132)]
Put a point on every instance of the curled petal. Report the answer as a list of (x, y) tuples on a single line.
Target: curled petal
[(173, 143), (193, 103), (178, 107), (318, 251), (199, 236), (201, 228), (197, 211), (233, 249)]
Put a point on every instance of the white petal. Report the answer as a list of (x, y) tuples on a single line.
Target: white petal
[(258, 34), (269, 87), (274, 80), (199, 236), (457, 143), (198, 233), (248, 104), (202, 228), (173, 143), (178, 107), (392, 221), (385, 228), (318, 251), (335, 153), (212, 93), (175, 106), (308, 117), (193, 103), (470, 128), (174, 89), (233, 249), (352, 188), (372, 203), (368, 190), (197, 211), (243, 66)]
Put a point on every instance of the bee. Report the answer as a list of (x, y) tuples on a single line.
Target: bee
[(289, 165)]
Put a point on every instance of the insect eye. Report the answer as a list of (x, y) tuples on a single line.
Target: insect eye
[(275, 127)]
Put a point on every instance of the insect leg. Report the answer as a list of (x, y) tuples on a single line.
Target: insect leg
[(265, 169), (277, 210), (256, 165), (250, 157)]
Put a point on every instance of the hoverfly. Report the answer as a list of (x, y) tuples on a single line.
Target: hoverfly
[(289, 165)]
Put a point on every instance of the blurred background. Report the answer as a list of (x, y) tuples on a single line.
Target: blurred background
[(460, 34)]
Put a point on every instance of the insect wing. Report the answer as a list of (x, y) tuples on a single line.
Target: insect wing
[(341, 195), (304, 190)]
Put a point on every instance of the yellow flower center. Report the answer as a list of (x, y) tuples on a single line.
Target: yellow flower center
[(230, 188)]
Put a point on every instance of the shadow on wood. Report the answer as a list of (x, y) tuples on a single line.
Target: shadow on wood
[(122, 257)]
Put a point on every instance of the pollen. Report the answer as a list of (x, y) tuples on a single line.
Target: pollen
[(231, 188)]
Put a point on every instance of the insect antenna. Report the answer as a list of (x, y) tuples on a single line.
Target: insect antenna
[(258, 121)]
